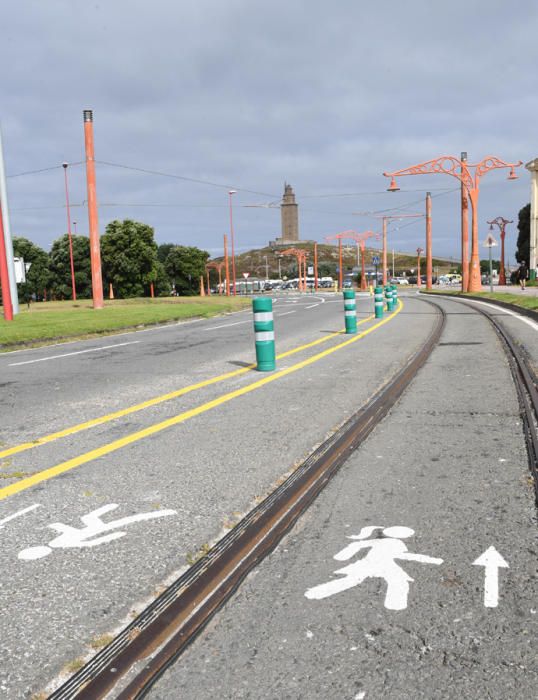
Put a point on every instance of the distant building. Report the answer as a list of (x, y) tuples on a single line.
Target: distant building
[(289, 215)]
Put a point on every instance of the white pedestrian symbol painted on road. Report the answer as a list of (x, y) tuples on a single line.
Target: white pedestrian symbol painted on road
[(92, 534), (379, 562)]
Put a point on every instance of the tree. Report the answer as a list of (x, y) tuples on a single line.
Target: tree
[(185, 265), (38, 276), (129, 257), (326, 269), (484, 266), (523, 238), (163, 250), (60, 267)]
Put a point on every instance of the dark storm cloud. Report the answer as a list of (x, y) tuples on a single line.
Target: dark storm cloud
[(248, 93)]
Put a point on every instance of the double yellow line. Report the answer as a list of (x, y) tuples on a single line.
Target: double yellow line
[(63, 467)]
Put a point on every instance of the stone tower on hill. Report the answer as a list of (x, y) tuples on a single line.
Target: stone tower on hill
[(289, 213)]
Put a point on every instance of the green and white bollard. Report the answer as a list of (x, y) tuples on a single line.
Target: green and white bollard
[(388, 296), (394, 290), (264, 334), (378, 302), (350, 311)]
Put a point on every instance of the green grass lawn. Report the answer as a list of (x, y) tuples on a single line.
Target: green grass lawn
[(63, 320), (527, 302)]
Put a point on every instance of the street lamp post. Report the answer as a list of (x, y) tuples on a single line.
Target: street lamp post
[(360, 239), (450, 165), (300, 256), (428, 240), (419, 253), (385, 220), (501, 223), (93, 224), (226, 265), (464, 231), (230, 194), (73, 287), (315, 267)]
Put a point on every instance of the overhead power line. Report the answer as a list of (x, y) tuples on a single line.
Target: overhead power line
[(183, 177), (43, 170)]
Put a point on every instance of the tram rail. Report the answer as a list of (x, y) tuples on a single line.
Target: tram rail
[(137, 657)]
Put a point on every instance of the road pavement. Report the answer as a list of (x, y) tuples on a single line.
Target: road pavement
[(96, 520), (344, 608)]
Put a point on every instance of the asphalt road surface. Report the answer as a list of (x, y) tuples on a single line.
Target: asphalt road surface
[(172, 434), (339, 612), (190, 463)]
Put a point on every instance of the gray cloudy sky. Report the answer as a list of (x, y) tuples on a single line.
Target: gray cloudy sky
[(249, 94)]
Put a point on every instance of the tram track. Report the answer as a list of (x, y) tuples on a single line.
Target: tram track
[(136, 658), (526, 386)]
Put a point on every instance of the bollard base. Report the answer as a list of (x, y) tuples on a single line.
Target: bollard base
[(265, 357)]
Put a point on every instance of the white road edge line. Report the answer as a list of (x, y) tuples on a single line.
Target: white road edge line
[(286, 313), (528, 321), (313, 306), (18, 514), (69, 354), (227, 325)]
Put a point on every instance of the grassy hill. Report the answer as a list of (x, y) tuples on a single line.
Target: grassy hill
[(253, 261)]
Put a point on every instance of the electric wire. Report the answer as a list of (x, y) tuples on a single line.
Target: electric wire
[(182, 177), (43, 170)]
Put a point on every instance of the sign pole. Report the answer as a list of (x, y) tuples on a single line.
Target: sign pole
[(8, 244)]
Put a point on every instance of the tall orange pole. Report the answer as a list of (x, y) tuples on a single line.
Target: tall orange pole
[(428, 240), (95, 250), (4, 275), (340, 265), (384, 251), (220, 279), (475, 278), (363, 267), (73, 288), (226, 266), (207, 275), (231, 193), (502, 273), (464, 230), (316, 266)]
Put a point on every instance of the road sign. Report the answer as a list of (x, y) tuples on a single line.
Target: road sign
[(489, 242), (246, 274), (310, 270), (375, 259), (20, 270)]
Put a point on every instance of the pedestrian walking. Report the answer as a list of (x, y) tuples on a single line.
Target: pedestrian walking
[(522, 275)]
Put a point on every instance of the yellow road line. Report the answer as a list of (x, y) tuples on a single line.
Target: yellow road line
[(92, 455), (16, 449)]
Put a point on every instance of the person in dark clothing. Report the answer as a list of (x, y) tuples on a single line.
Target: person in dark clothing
[(522, 274)]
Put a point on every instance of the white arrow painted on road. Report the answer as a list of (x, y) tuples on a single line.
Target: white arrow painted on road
[(492, 561)]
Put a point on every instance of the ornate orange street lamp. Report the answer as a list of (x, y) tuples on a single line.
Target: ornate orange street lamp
[(359, 238), (501, 223), (419, 253), (450, 165), (300, 254), (386, 219), (214, 265)]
